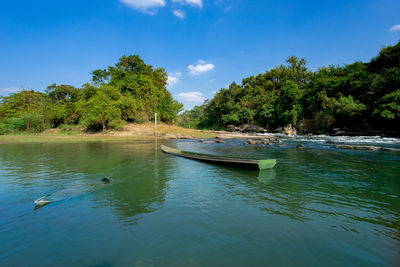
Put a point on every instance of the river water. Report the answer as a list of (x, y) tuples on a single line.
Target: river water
[(319, 206)]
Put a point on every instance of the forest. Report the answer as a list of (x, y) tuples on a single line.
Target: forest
[(365, 95), (130, 91)]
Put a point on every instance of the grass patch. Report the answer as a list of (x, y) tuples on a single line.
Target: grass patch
[(25, 138), (133, 132)]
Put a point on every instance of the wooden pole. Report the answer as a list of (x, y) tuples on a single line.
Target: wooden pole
[(156, 147), (155, 129)]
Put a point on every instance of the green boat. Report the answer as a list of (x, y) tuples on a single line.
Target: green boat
[(236, 162)]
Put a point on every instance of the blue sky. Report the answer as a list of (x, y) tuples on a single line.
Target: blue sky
[(204, 45)]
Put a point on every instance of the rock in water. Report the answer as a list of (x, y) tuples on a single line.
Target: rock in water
[(390, 149), (289, 130), (186, 137), (340, 133), (170, 136), (254, 128), (251, 142), (301, 146), (358, 147), (231, 128)]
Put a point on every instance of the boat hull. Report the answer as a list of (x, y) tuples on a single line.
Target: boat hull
[(241, 163)]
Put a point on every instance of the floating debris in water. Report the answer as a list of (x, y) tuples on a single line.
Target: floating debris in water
[(106, 180), (72, 190)]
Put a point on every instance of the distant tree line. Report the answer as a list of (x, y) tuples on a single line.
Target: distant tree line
[(353, 94), (131, 91)]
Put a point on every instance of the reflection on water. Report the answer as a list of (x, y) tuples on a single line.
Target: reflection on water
[(317, 205), (266, 176)]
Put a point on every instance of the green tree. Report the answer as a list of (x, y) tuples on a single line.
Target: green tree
[(145, 85), (289, 104), (19, 103), (389, 106), (60, 105), (102, 108)]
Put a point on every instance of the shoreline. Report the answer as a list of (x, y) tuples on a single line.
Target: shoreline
[(188, 134), (146, 132), (130, 132)]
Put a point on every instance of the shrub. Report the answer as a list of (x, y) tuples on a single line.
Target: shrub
[(324, 121), (117, 124), (69, 128), (141, 117), (389, 107), (33, 122), (17, 123), (5, 128)]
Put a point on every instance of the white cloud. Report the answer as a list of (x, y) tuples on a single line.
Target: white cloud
[(172, 81), (144, 5), (395, 28), (173, 78), (9, 90), (198, 3), (179, 13), (196, 97), (200, 68)]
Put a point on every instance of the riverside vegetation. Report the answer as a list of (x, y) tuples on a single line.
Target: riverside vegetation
[(360, 95), (365, 96), (132, 91)]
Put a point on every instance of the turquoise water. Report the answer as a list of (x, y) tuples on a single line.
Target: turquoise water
[(319, 206)]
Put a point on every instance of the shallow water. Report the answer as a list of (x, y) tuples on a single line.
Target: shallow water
[(356, 140), (319, 206)]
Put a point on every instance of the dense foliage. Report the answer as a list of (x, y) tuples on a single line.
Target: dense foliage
[(354, 94), (131, 91)]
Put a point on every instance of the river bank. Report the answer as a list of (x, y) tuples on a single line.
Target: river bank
[(146, 131)]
